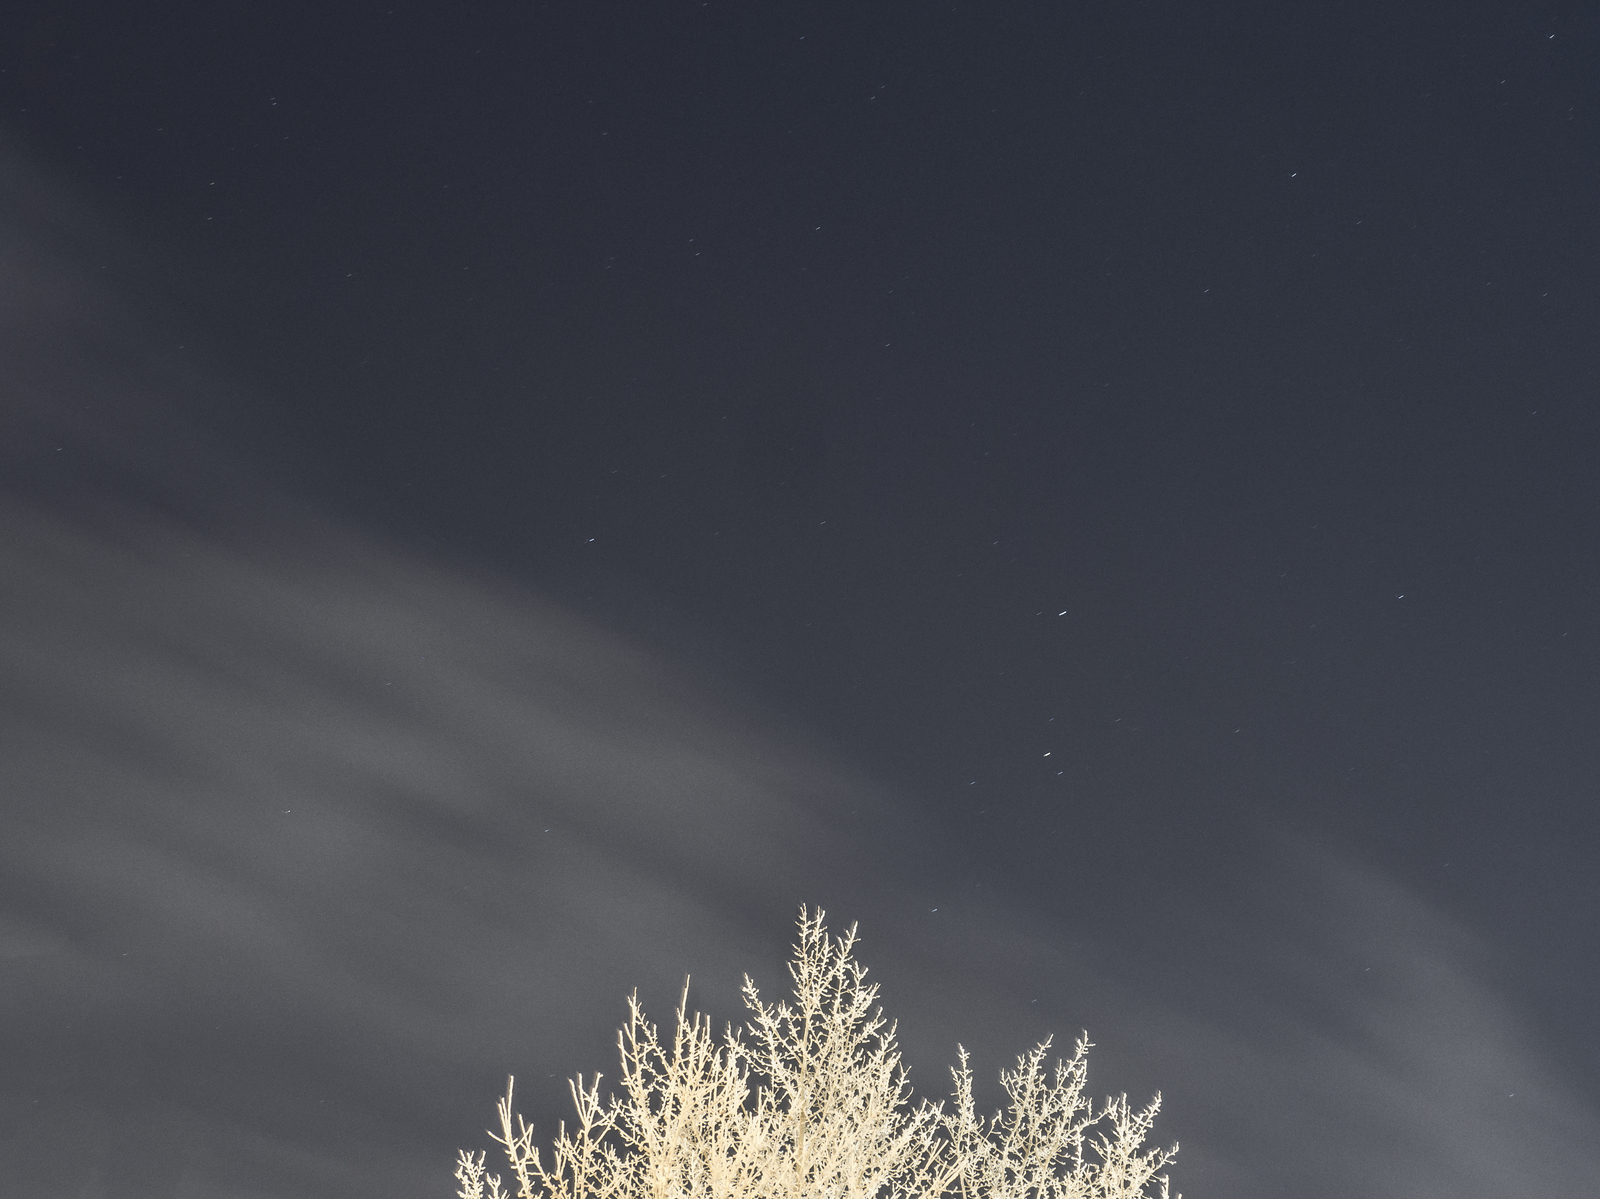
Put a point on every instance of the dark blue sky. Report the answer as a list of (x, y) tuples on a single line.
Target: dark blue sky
[(1120, 475)]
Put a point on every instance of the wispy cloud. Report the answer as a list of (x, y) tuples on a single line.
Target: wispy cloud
[(1359, 1045), (387, 814)]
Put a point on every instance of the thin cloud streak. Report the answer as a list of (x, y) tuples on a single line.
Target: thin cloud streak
[(403, 809), (1359, 1046)]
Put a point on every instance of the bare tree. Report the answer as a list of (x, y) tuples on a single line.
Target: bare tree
[(829, 1115)]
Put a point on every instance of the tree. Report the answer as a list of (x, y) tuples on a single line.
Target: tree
[(829, 1116)]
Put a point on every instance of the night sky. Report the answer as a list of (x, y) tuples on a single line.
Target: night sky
[(501, 503)]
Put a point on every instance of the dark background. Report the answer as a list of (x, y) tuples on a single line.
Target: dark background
[(1148, 450)]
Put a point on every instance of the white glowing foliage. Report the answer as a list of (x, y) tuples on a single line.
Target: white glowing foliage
[(815, 1105)]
